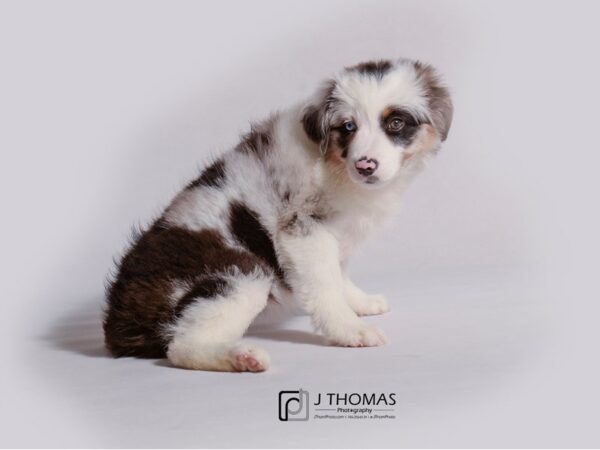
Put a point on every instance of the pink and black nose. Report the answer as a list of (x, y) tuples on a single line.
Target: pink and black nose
[(366, 167)]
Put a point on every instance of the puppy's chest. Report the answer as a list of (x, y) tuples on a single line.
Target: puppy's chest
[(351, 229)]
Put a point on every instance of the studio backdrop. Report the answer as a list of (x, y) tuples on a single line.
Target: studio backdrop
[(108, 109)]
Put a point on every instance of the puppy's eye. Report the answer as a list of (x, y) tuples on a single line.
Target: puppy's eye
[(395, 125), (349, 126)]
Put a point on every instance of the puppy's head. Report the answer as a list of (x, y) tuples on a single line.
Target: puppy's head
[(371, 119)]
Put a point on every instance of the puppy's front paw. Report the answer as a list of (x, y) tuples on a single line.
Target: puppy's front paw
[(370, 305), (360, 336)]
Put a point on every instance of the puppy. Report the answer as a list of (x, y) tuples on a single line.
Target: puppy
[(277, 218)]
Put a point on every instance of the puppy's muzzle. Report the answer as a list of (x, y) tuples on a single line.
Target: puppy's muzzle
[(366, 166)]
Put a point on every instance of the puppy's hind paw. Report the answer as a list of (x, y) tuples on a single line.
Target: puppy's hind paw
[(246, 358)]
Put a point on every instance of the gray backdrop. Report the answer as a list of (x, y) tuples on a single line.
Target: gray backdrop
[(108, 108)]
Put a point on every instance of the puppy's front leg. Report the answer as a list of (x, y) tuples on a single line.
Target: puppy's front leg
[(362, 303), (311, 260)]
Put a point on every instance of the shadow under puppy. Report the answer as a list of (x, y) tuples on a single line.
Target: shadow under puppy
[(277, 218)]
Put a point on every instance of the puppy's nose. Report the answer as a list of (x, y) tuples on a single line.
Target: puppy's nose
[(366, 167)]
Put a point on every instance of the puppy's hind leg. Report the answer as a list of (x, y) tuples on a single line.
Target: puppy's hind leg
[(207, 332)]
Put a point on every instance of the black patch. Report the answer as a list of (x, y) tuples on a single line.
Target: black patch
[(213, 176), (207, 289), (376, 69), (317, 117), (342, 139), (407, 133), (312, 124), (248, 230), (138, 300), (259, 140)]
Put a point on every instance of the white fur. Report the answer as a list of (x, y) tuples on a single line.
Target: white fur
[(206, 337), (316, 278), (362, 303)]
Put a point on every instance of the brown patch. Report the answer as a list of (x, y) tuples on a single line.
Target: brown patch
[(337, 167), (316, 119), (259, 140), (438, 96), (213, 176), (311, 122), (376, 69), (138, 300), (205, 288)]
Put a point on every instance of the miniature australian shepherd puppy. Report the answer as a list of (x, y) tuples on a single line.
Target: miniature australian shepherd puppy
[(276, 219)]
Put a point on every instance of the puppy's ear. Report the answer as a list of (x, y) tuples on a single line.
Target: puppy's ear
[(438, 96), (317, 115)]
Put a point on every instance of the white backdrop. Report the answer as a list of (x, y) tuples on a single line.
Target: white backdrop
[(108, 108)]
